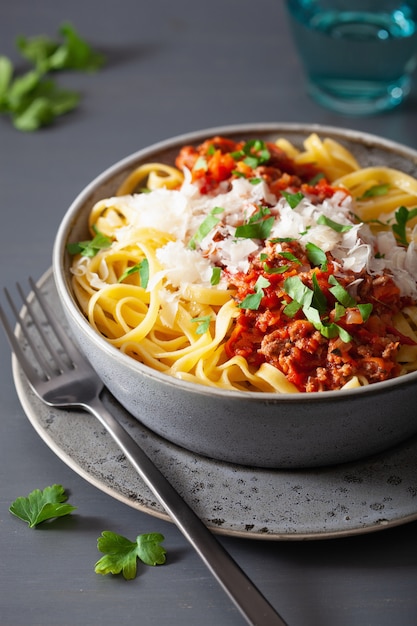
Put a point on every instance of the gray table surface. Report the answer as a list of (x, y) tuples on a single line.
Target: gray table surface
[(172, 68)]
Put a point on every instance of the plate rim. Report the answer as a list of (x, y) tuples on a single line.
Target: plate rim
[(30, 409)]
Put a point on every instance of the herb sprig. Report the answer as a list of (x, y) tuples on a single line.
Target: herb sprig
[(121, 554), (33, 99), (40, 506)]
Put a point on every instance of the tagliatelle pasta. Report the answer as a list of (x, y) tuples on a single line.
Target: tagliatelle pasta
[(256, 266)]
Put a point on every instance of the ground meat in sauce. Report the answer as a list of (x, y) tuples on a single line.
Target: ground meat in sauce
[(311, 361)]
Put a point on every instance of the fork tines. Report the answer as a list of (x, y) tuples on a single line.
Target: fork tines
[(43, 352)]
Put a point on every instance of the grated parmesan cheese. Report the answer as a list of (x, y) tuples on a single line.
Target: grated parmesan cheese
[(181, 212)]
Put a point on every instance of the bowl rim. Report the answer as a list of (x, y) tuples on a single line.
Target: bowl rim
[(70, 217)]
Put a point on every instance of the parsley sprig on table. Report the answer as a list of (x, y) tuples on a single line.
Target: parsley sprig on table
[(33, 99), (121, 554), (40, 506)]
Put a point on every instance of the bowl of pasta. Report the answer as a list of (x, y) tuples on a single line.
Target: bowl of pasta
[(249, 292)]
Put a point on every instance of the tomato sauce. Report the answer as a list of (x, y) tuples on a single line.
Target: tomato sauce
[(318, 353)]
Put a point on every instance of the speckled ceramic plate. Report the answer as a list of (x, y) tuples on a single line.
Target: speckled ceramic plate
[(354, 498)]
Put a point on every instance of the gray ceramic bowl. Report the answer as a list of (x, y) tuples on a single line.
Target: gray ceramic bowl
[(264, 430)]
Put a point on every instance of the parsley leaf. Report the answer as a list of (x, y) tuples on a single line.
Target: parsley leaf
[(275, 270), (74, 53), (402, 216), (203, 324), (40, 506), (253, 153), (142, 268), (298, 291), (121, 554), (375, 190), (340, 293), (257, 227), (319, 299), (340, 228), (209, 222), (215, 276), (253, 300), (90, 247), (365, 310), (316, 255), (32, 99), (293, 199)]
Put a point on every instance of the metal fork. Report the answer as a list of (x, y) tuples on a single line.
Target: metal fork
[(63, 378)]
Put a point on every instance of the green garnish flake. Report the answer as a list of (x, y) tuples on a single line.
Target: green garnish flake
[(203, 324), (275, 270), (340, 293), (402, 216), (316, 255), (374, 191), (298, 291), (215, 276), (253, 153), (121, 554), (201, 164), (207, 225), (293, 199), (313, 181), (253, 300), (258, 225), (281, 239), (339, 311), (290, 257), (340, 228), (90, 248), (319, 301), (312, 304), (365, 310), (40, 506), (142, 268)]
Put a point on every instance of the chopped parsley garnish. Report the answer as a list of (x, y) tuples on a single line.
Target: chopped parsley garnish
[(257, 226), (313, 181), (275, 270), (203, 324), (281, 239), (201, 164), (207, 225), (316, 255), (121, 554), (91, 247), (40, 506), (215, 276), (374, 191), (365, 310), (319, 301), (142, 268), (340, 293), (253, 153), (253, 300), (402, 216), (290, 257), (299, 292), (293, 199), (314, 304), (339, 228)]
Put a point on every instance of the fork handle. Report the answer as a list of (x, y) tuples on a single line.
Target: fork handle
[(246, 596)]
